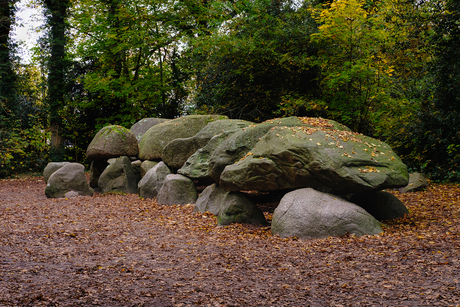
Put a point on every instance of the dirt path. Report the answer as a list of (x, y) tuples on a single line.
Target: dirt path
[(119, 250)]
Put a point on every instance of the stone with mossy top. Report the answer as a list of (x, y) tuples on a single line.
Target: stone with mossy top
[(176, 153), (335, 161), (112, 142), (157, 137), (242, 142)]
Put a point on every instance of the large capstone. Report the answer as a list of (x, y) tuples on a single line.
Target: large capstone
[(241, 143), (336, 161), (306, 213), (112, 142)]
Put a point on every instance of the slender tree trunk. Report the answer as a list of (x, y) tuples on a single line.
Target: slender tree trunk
[(57, 66), (7, 76), (118, 56)]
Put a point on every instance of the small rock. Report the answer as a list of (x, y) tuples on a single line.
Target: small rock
[(177, 190), (238, 208), (381, 205), (152, 182), (417, 182)]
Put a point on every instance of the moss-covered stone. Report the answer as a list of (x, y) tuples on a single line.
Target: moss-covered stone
[(241, 143), (335, 161), (176, 153), (111, 142), (157, 137)]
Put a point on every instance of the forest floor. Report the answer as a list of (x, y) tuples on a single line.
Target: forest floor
[(120, 250)]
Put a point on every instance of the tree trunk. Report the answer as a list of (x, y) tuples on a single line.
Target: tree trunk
[(57, 66), (7, 76)]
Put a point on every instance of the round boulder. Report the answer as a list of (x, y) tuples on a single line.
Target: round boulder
[(112, 142), (51, 168), (68, 181)]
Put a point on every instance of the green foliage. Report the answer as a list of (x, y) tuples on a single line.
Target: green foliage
[(374, 59), (255, 59), (130, 55), (355, 37), (385, 68), (8, 102), (436, 133), (22, 149)]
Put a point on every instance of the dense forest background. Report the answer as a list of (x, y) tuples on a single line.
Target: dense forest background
[(389, 69)]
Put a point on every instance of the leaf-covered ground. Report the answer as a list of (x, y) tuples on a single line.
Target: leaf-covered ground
[(119, 250)]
